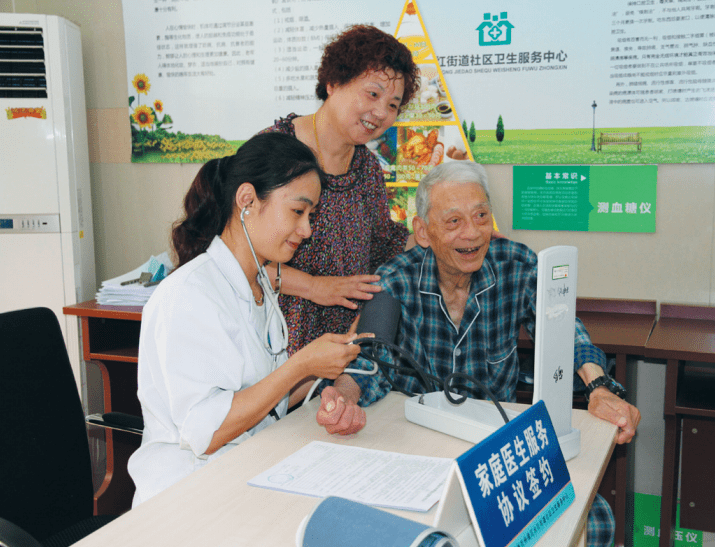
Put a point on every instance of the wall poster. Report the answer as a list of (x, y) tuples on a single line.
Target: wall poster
[(621, 81), (551, 83)]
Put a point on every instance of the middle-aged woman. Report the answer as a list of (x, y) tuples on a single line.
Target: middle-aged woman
[(364, 78), (213, 369)]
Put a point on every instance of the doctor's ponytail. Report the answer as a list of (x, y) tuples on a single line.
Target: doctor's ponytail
[(268, 161)]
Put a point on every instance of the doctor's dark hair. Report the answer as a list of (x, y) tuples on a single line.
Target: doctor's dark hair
[(268, 161)]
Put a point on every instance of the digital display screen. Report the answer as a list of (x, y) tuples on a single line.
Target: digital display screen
[(6, 224)]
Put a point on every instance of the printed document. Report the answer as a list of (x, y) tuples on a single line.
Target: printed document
[(372, 477)]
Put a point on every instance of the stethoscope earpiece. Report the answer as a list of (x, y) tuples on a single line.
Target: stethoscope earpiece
[(270, 296)]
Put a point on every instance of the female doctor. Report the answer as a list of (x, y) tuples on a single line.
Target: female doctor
[(213, 369)]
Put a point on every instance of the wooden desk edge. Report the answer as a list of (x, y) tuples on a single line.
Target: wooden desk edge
[(698, 347), (90, 308), (616, 305), (687, 311), (585, 417)]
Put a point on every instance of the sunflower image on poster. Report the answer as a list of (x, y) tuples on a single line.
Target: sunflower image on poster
[(152, 138)]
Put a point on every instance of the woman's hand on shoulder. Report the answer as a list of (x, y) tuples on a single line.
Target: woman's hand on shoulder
[(336, 291), (327, 356)]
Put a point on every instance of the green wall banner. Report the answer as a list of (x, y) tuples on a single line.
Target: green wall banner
[(585, 198), (646, 524)]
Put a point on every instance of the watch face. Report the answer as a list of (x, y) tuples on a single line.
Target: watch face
[(617, 388)]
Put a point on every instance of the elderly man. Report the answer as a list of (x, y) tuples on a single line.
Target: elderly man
[(464, 298)]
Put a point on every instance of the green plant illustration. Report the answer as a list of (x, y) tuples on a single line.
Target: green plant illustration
[(500, 130)]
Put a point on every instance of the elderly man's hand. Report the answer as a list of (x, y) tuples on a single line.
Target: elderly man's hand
[(339, 414), (609, 406)]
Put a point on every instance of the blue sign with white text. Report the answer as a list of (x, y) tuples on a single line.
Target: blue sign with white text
[(517, 480)]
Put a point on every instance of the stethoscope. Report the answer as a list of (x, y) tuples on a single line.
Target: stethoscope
[(270, 296)]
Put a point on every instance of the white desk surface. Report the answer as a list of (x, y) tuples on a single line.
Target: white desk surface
[(215, 506)]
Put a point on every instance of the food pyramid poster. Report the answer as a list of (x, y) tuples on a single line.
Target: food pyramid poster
[(427, 131)]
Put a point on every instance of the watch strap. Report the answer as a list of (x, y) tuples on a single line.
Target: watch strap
[(607, 382)]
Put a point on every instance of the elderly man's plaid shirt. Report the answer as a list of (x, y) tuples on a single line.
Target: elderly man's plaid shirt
[(503, 298), (484, 343)]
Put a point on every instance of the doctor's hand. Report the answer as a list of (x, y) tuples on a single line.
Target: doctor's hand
[(338, 414), (610, 407), (335, 291), (328, 356)]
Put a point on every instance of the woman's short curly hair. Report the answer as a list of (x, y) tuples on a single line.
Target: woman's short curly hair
[(361, 48)]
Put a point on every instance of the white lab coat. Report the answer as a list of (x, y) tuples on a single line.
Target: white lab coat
[(200, 341)]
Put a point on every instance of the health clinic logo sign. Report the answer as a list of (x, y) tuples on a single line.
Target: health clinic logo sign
[(495, 30)]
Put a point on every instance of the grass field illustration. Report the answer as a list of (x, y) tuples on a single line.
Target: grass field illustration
[(573, 146)]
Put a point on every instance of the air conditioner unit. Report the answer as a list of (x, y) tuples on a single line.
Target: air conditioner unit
[(46, 233)]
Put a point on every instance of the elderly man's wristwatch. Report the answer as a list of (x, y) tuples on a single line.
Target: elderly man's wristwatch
[(609, 383)]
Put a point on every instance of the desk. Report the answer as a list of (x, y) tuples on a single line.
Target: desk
[(215, 505), (619, 327), (686, 333), (110, 338)]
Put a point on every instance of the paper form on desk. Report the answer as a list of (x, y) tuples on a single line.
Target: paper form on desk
[(373, 477)]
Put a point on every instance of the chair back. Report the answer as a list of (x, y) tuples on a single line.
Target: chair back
[(45, 466), (14, 536)]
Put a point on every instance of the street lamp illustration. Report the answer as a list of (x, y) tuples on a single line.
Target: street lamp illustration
[(593, 137)]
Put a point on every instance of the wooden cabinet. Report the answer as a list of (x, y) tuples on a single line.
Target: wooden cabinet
[(697, 510), (110, 338), (686, 334)]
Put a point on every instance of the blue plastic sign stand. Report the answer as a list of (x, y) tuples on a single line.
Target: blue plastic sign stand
[(513, 485)]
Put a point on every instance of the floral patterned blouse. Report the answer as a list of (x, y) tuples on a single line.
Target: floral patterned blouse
[(353, 234)]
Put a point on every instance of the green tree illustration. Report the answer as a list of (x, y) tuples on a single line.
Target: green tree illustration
[(472, 133), (500, 130)]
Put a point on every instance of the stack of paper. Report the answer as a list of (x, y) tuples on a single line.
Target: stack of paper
[(126, 290)]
